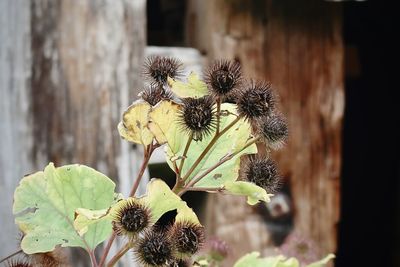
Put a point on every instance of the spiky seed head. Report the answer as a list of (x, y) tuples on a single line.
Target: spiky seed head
[(55, 258), (197, 116), (256, 100), (158, 69), (262, 172), (130, 217), (18, 263), (188, 238), (274, 129), (223, 76), (155, 249), (154, 94)]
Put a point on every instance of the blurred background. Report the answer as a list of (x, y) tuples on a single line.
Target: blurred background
[(68, 69)]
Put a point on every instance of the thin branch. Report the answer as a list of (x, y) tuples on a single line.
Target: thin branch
[(11, 255), (146, 157), (93, 258), (209, 146), (189, 186), (189, 141), (119, 254), (107, 249), (218, 114), (178, 175), (206, 189)]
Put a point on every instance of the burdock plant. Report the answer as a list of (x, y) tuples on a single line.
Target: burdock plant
[(204, 137)]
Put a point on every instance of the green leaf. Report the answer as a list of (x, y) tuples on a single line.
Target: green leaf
[(160, 199), (45, 203), (133, 126), (253, 259), (232, 141), (322, 262), (253, 192), (85, 217), (193, 88), (165, 125)]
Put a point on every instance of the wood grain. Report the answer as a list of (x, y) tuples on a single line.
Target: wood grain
[(298, 47), (70, 69)]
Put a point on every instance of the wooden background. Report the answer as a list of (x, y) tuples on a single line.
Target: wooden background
[(297, 46), (68, 69)]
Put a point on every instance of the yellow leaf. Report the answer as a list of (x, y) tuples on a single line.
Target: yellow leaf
[(193, 88), (165, 127), (134, 123)]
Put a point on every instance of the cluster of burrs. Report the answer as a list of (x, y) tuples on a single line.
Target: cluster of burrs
[(256, 102), (170, 245)]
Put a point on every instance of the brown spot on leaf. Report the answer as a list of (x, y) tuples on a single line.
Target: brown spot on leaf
[(217, 175)]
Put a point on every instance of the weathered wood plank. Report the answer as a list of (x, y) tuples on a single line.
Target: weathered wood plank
[(298, 47), (68, 69), (15, 124)]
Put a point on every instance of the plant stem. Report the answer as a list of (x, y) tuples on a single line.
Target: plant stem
[(206, 189), (209, 146), (189, 141), (11, 255), (146, 157), (189, 186), (119, 254), (218, 114), (107, 249), (93, 258)]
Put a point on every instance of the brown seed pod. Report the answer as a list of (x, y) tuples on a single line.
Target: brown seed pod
[(154, 94), (274, 130), (18, 263), (223, 76), (262, 172), (130, 217), (154, 249), (55, 258), (197, 116), (188, 238), (158, 69), (256, 101)]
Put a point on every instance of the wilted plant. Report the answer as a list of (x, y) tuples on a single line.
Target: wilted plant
[(204, 137)]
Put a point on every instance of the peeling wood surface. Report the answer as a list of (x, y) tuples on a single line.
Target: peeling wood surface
[(15, 138), (298, 47), (68, 69)]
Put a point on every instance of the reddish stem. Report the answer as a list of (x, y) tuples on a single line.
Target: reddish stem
[(146, 157)]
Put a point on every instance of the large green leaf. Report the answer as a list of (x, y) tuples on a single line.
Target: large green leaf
[(232, 141), (166, 126), (45, 203), (193, 88), (253, 260)]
